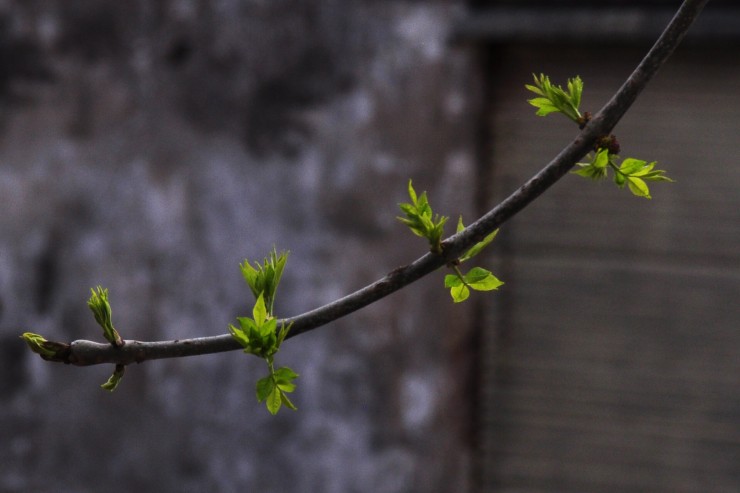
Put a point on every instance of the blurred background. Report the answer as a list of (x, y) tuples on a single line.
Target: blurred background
[(151, 146)]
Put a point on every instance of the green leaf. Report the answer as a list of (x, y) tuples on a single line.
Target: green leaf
[(597, 168), (286, 401), (259, 312), (285, 374), (284, 329), (251, 275), (451, 280), (264, 387), (99, 305), (478, 247), (544, 105), (575, 89), (481, 279), (111, 384), (589, 171), (631, 166), (534, 89), (601, 160), (459, 293), (274, 401), (638, 187), (555, 99), (265, 278), (421, 220), (286, 386), (48, 350), (412, 193), (239, 335)]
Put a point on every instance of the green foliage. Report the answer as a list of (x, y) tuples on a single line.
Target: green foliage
[(273, 388), (635, 173), (631, 172), (264, 278), (48, 350), (477, 279), (114, 379), (554, 99), (99, 305), (260, 336), (422, 221), (478, 247)]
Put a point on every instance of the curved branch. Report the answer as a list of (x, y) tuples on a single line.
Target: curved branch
[(90, 353)]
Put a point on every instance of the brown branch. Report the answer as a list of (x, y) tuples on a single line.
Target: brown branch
[(90, 353)]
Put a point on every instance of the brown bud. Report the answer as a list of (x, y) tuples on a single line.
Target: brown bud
[(608, 142)]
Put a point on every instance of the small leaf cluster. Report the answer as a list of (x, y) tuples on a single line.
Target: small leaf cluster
[(57, 351), (635, 173), (273, 388), (555, 99), (421, 221), (260, 336), (99, 305), (265, 277), (48, 350), (477, 279)]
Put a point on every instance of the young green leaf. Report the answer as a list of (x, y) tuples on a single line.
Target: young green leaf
[(630, 166), (48, 350), (597, 168), (274, 400), (264, 387), (284, 329), (259, 312), (554, 99), (458, 290), (481, 279), (478, 247), (635, 173), (638, 187), (99, 305), (265, 278), (459, 293), (421, 220), (111, 384), (285, 374), (286, 402)]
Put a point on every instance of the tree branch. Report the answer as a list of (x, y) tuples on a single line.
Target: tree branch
[(85, 353)]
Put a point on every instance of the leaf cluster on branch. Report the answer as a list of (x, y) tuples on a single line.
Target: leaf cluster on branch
[(631, 172)]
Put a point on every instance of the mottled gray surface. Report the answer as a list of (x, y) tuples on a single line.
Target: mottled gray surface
[(152, 146)]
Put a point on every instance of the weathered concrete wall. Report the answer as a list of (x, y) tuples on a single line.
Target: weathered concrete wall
[(150, 147)]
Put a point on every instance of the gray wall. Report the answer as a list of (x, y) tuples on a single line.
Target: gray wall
[(152, 146)]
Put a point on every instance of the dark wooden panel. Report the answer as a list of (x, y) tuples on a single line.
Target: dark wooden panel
[(614, 344)]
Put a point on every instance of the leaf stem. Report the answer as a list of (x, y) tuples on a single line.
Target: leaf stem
[(459, 274)]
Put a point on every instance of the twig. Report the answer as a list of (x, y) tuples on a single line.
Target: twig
[(85, 353)]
